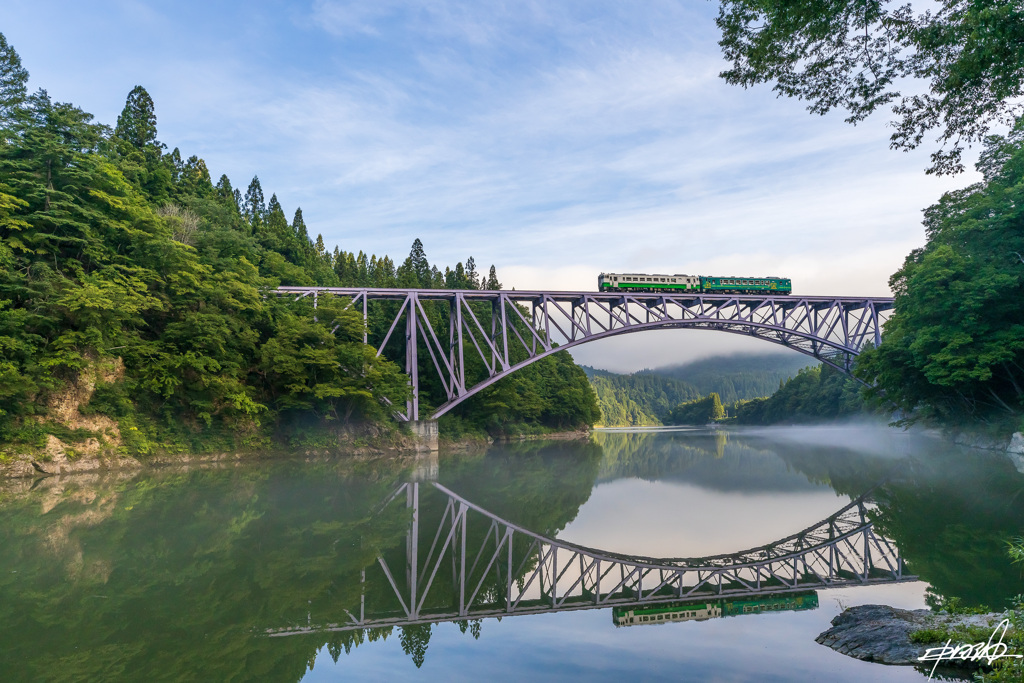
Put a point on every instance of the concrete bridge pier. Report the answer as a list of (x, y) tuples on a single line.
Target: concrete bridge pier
[(425, 433)]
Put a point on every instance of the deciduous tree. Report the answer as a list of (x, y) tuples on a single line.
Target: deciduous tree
[(954, 70)]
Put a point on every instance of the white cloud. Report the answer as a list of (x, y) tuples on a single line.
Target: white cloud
[(554, 141)]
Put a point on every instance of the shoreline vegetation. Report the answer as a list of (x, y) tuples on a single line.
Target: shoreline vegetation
[(351, 441)]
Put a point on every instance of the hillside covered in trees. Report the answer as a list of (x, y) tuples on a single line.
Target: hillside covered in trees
[(133, 289), (649, 396), (817, 394), (636, 400), (738, 377)]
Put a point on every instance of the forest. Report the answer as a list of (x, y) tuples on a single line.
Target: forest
[(640, 399), (125, 269), (816, 394), (649, 397), (953, 351), (737, 377)]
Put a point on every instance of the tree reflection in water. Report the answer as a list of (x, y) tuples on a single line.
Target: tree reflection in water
[(178, 574)]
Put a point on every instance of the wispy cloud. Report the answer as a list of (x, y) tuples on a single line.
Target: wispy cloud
[(552, 139)]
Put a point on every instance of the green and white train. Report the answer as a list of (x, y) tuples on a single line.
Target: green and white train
[(696, 284), (704, 609)]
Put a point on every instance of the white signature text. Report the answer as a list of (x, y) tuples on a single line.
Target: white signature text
[(971, 653)]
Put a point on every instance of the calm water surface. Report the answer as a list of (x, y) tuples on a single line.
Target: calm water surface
[(194, 574)]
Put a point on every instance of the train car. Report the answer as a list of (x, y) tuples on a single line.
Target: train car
[(655, 614), (788, 602), (702, 610), (647, 282), (710, 284), (698, 284)]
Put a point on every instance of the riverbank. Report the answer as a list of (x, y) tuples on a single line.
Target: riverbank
[(56, 457), (106, 451)]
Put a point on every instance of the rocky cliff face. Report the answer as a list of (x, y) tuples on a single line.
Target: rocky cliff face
[(98, 450)]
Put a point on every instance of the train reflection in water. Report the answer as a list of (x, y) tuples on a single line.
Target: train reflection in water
[(710, 609)]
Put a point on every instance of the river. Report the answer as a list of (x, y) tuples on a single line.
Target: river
[(302, 569)]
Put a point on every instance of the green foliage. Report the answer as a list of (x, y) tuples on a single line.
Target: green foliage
[(961, 634), (110, 248), (551, 393), (953, 350), (137, 123), (860, 56), (953, 605), (637, 400), (13, 80), (697, 412), (738, 377), (414, 641), (817, 393), (1015, 549), (646, 397), (1008, 669)]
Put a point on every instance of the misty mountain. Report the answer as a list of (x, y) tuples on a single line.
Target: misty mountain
[(644, 397), (736, 378)]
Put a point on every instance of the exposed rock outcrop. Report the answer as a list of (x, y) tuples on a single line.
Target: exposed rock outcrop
[(879, 633), (1016, 451), (876, 633)]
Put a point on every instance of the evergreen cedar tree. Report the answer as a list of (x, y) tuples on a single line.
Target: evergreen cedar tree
[(954, 71), (110, 247)]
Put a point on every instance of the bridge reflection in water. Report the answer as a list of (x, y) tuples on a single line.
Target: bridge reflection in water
[(469, 563)]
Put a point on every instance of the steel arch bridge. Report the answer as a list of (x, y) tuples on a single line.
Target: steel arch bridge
[(480, 565), (497, 326)]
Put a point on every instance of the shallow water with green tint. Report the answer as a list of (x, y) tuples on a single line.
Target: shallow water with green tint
[(193, 574)]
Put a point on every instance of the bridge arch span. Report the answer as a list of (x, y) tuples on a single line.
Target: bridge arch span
[(498, 568), (832, 330), (829, 353)]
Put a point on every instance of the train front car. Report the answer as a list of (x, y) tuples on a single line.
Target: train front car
[(745, 285), (647, 282)]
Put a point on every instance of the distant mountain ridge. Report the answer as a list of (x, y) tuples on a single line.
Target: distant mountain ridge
[(736, 378), (644, 397), (636, 400)]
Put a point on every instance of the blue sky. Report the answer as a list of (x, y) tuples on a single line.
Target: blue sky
[(552, 139)]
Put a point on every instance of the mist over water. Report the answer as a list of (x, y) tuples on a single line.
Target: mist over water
[(180, 574)]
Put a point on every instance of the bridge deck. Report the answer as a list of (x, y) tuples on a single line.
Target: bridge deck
[(508, 329), (525, 295)]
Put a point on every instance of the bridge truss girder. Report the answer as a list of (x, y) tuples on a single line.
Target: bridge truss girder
[(538, 575), (508, 330)]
